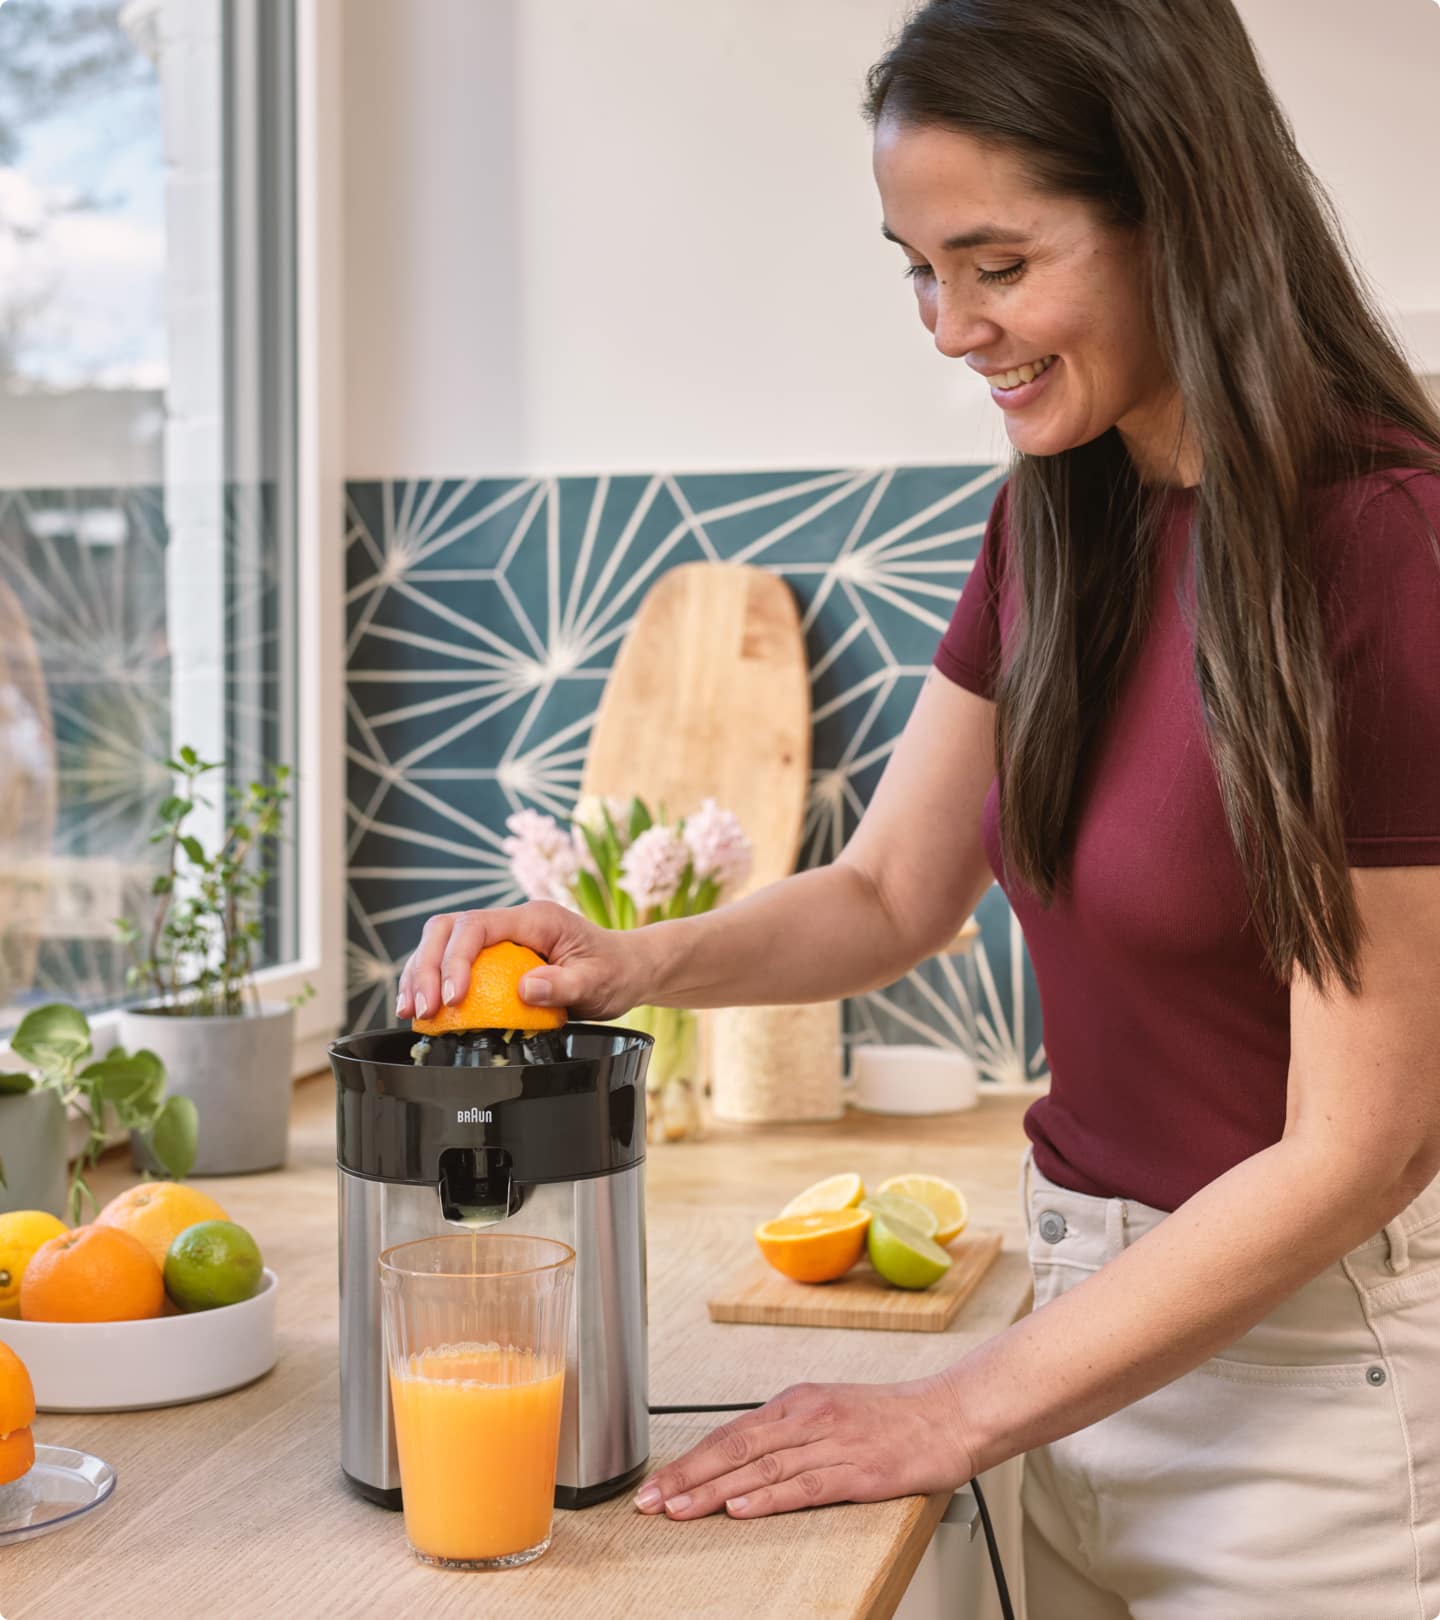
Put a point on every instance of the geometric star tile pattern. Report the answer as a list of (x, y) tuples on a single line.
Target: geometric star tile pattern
[(483, 618)]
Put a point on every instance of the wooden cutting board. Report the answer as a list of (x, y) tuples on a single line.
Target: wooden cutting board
[(710, 698), (859, 1299)]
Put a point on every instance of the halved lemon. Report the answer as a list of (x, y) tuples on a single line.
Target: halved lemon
[(943, 1197), (835, 1192), (814, 1248), (894, 1206)]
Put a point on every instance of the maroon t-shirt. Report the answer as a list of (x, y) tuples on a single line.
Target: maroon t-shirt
[(1167, 1033)]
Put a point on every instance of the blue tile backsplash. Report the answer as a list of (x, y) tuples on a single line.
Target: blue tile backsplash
[(483, 617)]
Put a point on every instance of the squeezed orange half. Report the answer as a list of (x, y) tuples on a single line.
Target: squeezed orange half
[(478, 1432)]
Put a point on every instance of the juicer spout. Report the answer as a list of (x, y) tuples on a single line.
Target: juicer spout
[(476, 1186)]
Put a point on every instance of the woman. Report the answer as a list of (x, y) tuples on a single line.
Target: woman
[(1188, 713)]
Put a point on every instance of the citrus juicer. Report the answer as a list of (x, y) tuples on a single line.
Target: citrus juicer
[(540, 1134)]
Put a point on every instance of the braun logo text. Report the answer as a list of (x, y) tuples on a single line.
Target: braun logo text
[(474, 1116)]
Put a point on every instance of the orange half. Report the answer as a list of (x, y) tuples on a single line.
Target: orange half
[(814, 1248), (492, 1000)]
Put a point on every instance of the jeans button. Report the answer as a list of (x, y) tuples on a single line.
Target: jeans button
[(1052, 1225), (1376, 1375)]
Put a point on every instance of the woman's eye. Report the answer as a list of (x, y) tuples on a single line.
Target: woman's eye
[(1009, 273), (912, 271)]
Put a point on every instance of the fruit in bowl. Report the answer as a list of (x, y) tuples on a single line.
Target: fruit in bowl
[(22, 1231), (91, 1274), (101, 1332), (211, 1264), (157, 1212)]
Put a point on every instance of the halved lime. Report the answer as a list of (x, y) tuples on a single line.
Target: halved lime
[(907, 1211), (904, 1256)]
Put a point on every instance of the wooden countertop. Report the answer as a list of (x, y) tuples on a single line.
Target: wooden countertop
[(236, 1506)]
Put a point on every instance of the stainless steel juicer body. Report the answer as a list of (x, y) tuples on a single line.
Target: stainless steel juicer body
[(551, 1144)]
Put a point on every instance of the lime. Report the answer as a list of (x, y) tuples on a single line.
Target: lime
[(212, 1263), (907, 1211), (904, 1256), (835, 1192), (943, 1197)]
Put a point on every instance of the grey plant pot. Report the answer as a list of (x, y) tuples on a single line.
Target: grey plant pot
[(32, 1146), (237, 1072)]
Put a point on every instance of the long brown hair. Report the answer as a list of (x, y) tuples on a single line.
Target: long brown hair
[(1161, 117)]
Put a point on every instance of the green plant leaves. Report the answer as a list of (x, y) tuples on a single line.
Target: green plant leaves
[(13, 1085), (53, 1038), (174, 1136)]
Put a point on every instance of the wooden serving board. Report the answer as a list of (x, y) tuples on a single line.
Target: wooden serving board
[(710, 698), (859, 1299)]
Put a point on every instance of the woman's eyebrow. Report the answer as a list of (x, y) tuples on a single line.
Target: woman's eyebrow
[(981, 236)]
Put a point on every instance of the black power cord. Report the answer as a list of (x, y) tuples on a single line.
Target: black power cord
[(996, 1567)]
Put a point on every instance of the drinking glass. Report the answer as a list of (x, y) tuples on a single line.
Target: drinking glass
[(476, 1327)]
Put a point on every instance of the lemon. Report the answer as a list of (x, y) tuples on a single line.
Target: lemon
[(943, 1197), (212, 1263), (814, 1248), (22, 1231), (835, 1192), (904, 1256), (907, 1211)]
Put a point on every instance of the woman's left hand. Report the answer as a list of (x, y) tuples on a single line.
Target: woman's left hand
[(818, 1443)]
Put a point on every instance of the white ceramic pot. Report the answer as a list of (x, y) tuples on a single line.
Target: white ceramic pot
[(913, 1079), (236, 1071), (32, 1149)]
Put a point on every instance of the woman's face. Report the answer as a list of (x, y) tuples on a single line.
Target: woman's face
[(1032, 291)]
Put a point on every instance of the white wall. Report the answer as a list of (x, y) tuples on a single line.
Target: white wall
[(591, 235)]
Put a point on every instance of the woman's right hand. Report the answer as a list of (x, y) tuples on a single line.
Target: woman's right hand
[(592, 972)]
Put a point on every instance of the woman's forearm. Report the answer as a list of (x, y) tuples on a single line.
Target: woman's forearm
[(1183, 1292), (816, 936)]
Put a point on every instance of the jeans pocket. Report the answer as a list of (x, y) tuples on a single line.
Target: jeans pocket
[(1334, 1374)]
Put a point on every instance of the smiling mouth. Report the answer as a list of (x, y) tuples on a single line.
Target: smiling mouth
[(1022, 374)]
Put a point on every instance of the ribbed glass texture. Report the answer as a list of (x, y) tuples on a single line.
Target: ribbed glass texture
[(476, 1328)]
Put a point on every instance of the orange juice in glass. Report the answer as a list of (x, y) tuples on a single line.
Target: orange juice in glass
[(475, 1337)]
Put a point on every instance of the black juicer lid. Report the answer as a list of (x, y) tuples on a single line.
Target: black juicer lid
[(557, 1106)]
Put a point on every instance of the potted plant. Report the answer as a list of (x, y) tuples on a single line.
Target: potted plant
[(222, 1046), (623, 867), (63, 1075)]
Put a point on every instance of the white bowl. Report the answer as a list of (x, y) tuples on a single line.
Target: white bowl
[(912, 1079), (163, 1361)]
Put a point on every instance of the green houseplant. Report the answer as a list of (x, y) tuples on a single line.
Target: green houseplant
[(55, 1041), (223, 1046)]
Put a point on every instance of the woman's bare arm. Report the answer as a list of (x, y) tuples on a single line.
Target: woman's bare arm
[(909, 877)]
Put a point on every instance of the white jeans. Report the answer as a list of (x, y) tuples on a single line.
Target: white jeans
[(1294, 1477)]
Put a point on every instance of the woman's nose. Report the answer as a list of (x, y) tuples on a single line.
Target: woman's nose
[(956, 325)]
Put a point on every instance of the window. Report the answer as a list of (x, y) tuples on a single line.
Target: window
[(150, 578)]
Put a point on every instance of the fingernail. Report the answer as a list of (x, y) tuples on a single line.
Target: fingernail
[(399, 1006), (535, 991), (420, 1003), (677, 1504), (737, 1504), (647, 1498), (447, 991)]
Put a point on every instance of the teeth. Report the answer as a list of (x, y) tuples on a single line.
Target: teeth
[(1023, 374)]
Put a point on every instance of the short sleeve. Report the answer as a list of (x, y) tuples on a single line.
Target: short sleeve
[(1385, 642), (969, 651)]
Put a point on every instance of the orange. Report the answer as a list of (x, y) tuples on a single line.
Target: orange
[(17, 1413), (93, 1274), (814, 1248), (492, 1000), (17, 1455), (157, 1212), (22, 1231)]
